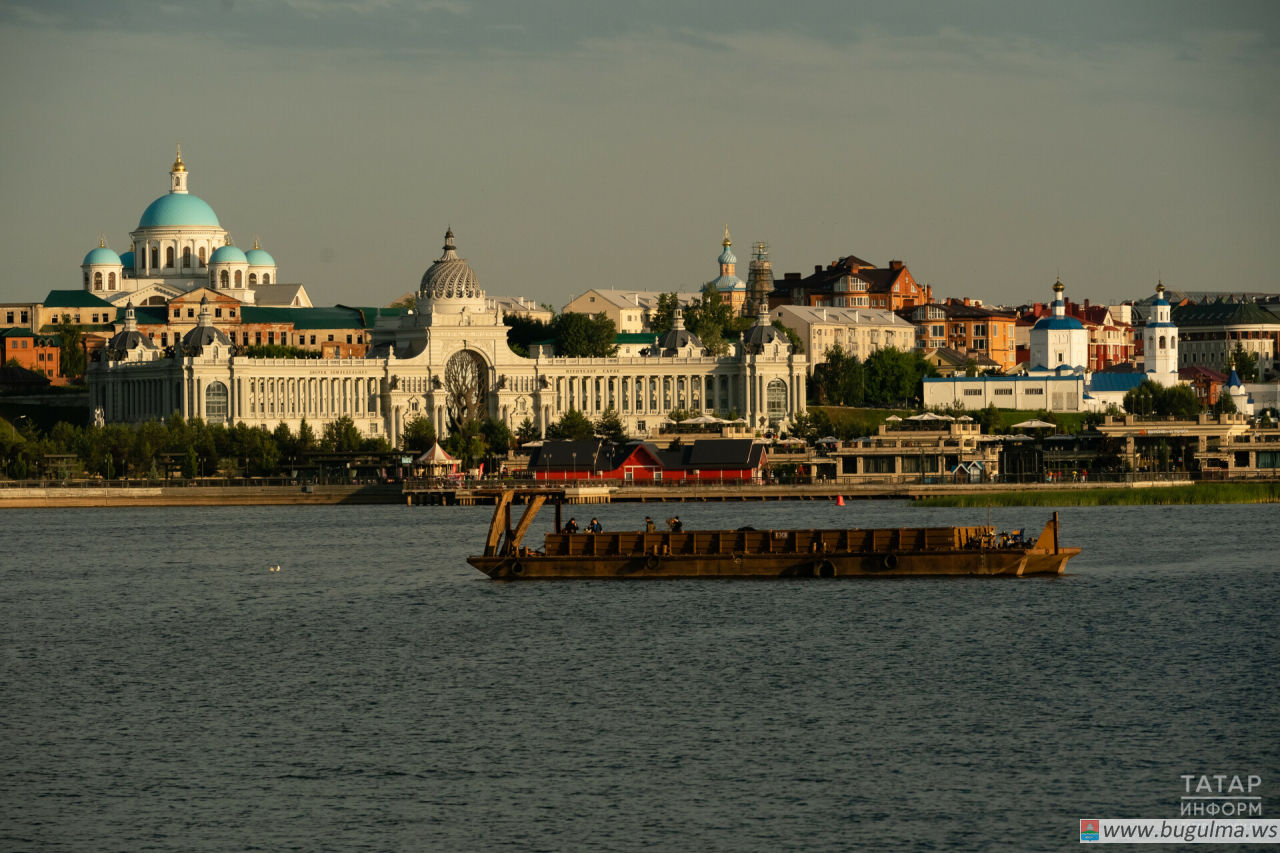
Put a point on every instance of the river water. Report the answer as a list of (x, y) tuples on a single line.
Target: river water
[(162, 690)]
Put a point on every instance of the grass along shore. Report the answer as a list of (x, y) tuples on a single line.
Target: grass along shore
[(1198, 493)]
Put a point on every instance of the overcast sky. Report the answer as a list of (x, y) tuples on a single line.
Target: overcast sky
[(991, 145)]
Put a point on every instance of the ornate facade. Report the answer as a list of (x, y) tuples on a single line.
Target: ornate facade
[(447, 360)]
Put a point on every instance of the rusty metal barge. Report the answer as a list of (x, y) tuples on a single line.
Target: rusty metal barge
[(749, 553)]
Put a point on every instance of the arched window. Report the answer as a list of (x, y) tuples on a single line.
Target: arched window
[(202, 256), (168, 257), (215, 403), (224, 279), (111, 281), (266, 278), (1162, 342), (97, 281), (155, 256), (253, 278), (86, 279), (186, 257), (775, 394), (239, 279)]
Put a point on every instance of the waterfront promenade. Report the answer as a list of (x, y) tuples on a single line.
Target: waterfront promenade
[(97, 493)]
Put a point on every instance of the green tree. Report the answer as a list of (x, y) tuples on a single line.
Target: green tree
[(893, 377), (1244, 363), (840, 380), (497, 436), (419, 434), (72, 356), (664, 314), (585, 336), (1150, 398), (341, 436), (522, 332), (277, 351), (306, 442), (711, 319), (609, 426), (526, 431), (1225, 405), (572, 426)]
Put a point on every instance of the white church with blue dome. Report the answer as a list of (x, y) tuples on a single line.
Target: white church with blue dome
[(179, 246)]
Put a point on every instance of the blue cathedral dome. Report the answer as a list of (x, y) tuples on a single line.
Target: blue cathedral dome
[(178, 209), (259, 258), (101, 255), (228, 255), (1058, 323)]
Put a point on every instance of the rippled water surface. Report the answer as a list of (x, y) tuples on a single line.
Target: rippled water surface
[(162, 690)]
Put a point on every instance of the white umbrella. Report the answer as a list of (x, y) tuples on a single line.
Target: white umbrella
[(965, 419), (927, 416), (1034, 424), (894, 418), (828, 439)]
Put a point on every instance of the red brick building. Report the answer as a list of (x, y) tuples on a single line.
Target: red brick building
[(851, 282)]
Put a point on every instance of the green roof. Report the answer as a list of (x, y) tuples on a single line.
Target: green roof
[(16, 332), (635, 338), (337, 317), (1224, 314), (74, 299), (151, 315)]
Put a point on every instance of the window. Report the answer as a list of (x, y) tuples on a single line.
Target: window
[(973, 392), (177, 312), (313, 340), (224, 279), (253, 279), (266, 278), (111, 281), (348, 339), (97, 281), (1036, 391), (155, 256), (1004, 392), (8, 317), (168, 257), (239, 279), (776, 399), (191, 312), (231, 312), (186, 256), (215, 403), (202, 256)]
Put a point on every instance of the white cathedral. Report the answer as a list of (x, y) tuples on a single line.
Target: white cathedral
[(446, 360), (179, 246)]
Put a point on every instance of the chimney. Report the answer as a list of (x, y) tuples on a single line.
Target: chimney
[(895, 265), (966, 300), (817, 267)]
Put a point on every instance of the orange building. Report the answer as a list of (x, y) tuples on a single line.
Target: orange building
[(965, 327), (38, 352)]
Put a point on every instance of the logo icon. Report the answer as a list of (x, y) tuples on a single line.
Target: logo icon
[(1089, 830)]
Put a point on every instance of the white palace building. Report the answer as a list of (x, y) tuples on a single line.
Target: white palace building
[(448, 360)]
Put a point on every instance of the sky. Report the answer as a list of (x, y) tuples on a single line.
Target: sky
[(993, 145)]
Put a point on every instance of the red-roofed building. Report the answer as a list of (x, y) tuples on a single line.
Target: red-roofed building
[(1205, 381), (851, 282)]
